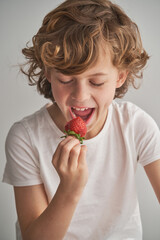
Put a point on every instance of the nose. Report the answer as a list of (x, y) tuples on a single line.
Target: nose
[(80, 92)]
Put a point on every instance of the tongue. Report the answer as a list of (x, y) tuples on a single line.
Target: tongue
[(84, 113)]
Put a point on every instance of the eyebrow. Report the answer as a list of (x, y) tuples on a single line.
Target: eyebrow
[(98, 74), (91, 75)]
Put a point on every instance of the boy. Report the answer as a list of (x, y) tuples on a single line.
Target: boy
[(84, 56)]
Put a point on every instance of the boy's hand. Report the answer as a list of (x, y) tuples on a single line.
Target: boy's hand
[(69, 161)]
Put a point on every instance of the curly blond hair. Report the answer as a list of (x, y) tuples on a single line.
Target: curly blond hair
[(69, 39)]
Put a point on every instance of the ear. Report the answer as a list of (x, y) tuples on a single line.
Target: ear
[(121, 78)]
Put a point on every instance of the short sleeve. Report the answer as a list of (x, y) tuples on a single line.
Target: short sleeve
[(147, 138), (22, 166)]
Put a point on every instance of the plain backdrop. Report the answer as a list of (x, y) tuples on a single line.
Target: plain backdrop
[(19, 21)]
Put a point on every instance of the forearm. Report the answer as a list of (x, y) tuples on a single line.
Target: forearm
[(55, 220), (69, 161)]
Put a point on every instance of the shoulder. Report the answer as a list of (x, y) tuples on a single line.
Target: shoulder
[(141, 129), (133, 114), (36, 130), (126, 107), (135, 120), (29, 122), (124, 110), (23, 130), (22, 152), (35, 119)]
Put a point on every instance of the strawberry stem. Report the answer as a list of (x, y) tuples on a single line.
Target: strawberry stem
[(72, 133)]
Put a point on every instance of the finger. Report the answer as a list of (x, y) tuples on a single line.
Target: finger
[(57, 153), (73, 158), (65, 151), (82, 156)]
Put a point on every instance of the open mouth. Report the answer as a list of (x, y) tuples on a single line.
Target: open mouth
[(85, 113)]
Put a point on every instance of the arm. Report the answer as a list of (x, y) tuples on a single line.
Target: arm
[(40, 220), (153, 172)]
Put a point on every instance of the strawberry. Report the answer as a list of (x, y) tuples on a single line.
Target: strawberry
[(76, 127)]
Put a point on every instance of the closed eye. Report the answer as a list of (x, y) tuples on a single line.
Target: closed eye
[(71, 80), (65, 82), (96, 84)]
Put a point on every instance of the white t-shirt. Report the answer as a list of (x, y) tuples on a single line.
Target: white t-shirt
[(108, 208)]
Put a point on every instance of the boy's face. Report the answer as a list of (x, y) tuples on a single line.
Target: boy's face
[(89, 94)]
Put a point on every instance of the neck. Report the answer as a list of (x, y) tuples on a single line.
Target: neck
[(57, 116)]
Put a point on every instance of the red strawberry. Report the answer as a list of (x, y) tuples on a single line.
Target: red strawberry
[(76, 127)]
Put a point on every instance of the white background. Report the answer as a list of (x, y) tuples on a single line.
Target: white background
[(19, 21)]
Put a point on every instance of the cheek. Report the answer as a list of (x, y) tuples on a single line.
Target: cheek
[(105, 97), (57, 92)]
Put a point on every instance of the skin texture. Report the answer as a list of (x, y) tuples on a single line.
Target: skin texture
[(38, 218), (153, 172), (81, 91), (42, 220)]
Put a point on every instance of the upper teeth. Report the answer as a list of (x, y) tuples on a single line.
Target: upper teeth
[(80, 109)]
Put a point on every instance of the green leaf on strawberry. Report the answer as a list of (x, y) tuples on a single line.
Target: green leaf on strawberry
[(77, 128)]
